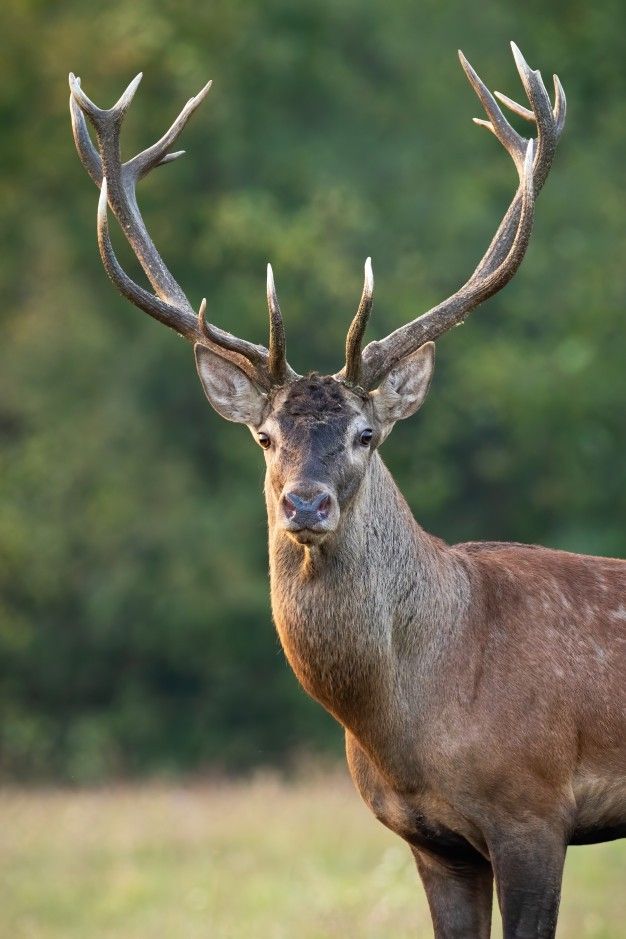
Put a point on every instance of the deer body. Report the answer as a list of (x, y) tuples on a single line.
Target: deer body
[(481, 686), (500, 664)]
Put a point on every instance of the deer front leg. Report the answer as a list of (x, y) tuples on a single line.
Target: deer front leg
[(528, 868), (459, 897)]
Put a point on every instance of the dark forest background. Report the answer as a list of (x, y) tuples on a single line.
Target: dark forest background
[(135, 634)]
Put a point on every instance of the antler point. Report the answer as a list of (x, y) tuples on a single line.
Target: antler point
[(202, 93), (270, 280), (520, 61)]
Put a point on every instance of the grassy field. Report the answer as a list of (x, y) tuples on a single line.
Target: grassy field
[(256, 860)]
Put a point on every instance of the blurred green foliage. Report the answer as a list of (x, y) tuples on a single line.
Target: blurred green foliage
[(135, 633)]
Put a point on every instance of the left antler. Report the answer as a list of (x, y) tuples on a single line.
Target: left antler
[(117, 182), (506, 251)]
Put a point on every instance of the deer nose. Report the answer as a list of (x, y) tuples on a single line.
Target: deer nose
[(304, 512)]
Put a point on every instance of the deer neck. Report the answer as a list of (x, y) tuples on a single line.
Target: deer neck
[(374, 602)]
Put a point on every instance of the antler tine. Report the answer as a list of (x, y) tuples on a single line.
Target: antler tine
[(354, 339), (89, 156), (518, 109), (256, 355), (498, 124), (124, 101), (505, 253), (277, 362), (157, 154), (117, 182), (560, 105)]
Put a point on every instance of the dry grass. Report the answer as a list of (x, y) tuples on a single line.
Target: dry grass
[(260, 860)]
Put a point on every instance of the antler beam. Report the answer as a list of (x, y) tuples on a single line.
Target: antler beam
[(504, 255), (117, 182)]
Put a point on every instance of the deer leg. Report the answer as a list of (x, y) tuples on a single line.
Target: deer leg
[(459, 897), (528, 869)]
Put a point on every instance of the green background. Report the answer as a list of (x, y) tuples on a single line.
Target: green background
[(135, 634)]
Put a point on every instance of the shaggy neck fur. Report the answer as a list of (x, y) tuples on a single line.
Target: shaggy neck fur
[(367, 614)]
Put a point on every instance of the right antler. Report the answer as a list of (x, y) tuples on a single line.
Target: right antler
[(117, 182), (506, 251)]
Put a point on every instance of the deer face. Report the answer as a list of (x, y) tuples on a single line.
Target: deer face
[(317, 433)]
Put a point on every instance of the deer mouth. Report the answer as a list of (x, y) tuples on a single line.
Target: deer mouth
[(308, 536)]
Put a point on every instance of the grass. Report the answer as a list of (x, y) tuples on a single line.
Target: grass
[(258, 860)]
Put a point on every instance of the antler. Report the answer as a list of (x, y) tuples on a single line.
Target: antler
[(354, 339), (117, 182), (506, 251)]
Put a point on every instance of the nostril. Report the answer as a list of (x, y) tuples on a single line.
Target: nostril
[(289, 508), (324, 506)]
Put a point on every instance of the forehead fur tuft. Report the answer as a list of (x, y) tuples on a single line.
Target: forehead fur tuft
[(315, 396)]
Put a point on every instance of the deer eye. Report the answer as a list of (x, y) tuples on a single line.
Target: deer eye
[(365, 437), (264, 440)]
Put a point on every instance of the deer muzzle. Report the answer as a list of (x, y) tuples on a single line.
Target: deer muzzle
[(309, 513)]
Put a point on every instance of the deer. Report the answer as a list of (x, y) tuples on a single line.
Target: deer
[(481, 686)]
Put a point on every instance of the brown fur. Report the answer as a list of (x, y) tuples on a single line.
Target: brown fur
[(505, 651)]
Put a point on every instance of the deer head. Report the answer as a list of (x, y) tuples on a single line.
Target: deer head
[(318, 433)]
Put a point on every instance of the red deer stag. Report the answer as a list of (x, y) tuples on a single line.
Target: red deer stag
[(481, 686)]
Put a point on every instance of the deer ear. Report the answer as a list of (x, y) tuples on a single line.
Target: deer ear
[(404, 388), (228, 388)]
